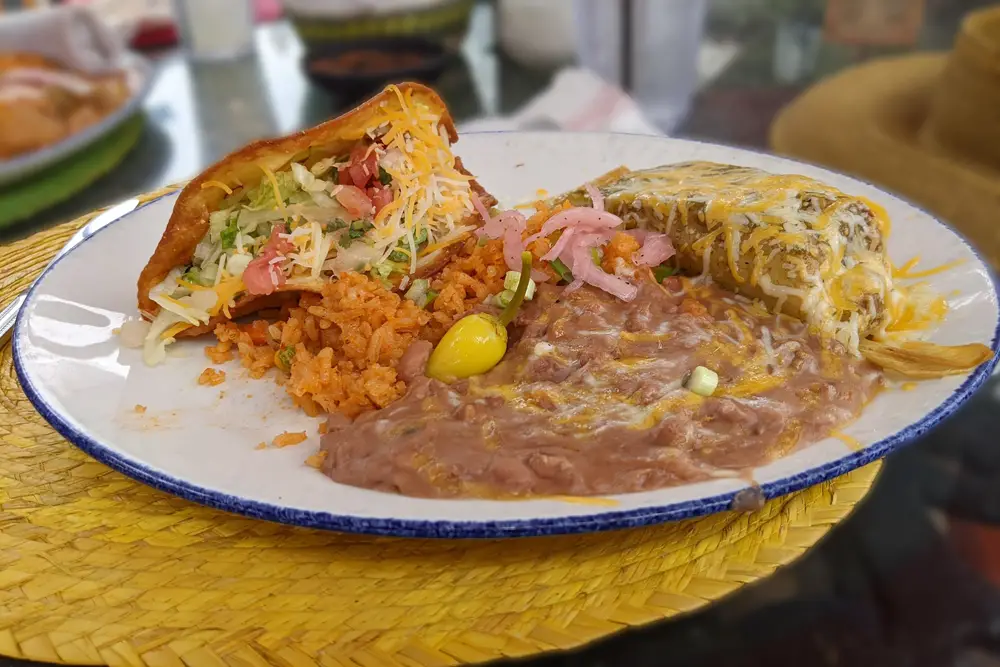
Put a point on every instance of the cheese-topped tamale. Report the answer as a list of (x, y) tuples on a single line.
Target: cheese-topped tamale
[(804, 248)]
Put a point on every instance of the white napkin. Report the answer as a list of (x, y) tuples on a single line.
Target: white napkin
[(577, 100), (72, 36)]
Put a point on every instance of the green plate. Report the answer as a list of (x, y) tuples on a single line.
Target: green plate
[(61, 181)]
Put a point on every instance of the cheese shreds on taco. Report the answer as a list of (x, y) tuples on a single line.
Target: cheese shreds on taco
[(376, 190)]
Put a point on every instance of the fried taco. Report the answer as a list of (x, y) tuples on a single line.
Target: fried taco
[(376, 190)]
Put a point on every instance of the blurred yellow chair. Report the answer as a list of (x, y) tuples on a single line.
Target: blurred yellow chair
[(925, 126)]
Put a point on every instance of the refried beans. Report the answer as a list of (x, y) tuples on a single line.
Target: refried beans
[(590, 399)]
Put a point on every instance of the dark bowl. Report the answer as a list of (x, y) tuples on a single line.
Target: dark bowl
[(354, 69)]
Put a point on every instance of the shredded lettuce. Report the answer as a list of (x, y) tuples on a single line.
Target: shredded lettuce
[(207, 251), (324, 200), (217, 222), (251, 222), (208, 273), (237, 264), (420, 292), (306, 180), (383, 270), (381, 273), (196, 276), (261, 198)]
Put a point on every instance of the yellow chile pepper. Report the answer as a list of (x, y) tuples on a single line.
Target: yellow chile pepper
[(477, 343)]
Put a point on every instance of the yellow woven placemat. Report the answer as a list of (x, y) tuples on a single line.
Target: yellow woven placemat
[(98, 569)]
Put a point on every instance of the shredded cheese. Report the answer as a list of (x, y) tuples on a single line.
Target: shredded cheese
[(172, 331), (852, 443), (434, 247), (277, 191), (217, 184), (226, 292), (191, 286), (430, 192), (905, 272)]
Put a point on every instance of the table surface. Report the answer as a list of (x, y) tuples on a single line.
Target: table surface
[(912, 578)]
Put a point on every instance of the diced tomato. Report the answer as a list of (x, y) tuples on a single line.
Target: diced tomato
[(262, 277), (363, 168), (344, 176), (276, 243), (355, 201), (258, 331), (381, 197)]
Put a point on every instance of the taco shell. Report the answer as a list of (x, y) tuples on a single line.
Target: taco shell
[(245, 169)]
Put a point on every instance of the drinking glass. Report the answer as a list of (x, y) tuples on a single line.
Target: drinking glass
[(654, 56), (214, 30)]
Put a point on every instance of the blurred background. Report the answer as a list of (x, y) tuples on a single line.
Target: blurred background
[(216, 74), (101, 100)]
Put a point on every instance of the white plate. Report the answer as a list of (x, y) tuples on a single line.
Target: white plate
[(139, 79), (195, 442)]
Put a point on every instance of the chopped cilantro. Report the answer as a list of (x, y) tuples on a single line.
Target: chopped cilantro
[(663, 271), (334, 226), (228, 235), (383, 176), (283, 358), (359, 228), (403, 255)]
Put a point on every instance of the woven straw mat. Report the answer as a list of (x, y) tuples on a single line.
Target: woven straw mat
[(98, 569)]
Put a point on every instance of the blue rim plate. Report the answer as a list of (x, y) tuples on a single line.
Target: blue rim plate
[(140, 79), (199, 442)]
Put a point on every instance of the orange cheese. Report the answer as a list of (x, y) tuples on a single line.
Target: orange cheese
[(217, 184)]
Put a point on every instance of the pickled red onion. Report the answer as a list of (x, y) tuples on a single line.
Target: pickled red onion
[(578, 258), (560, 245), (492, 227), (584, 228), (656, 249), (581, 218), (596, 198)]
